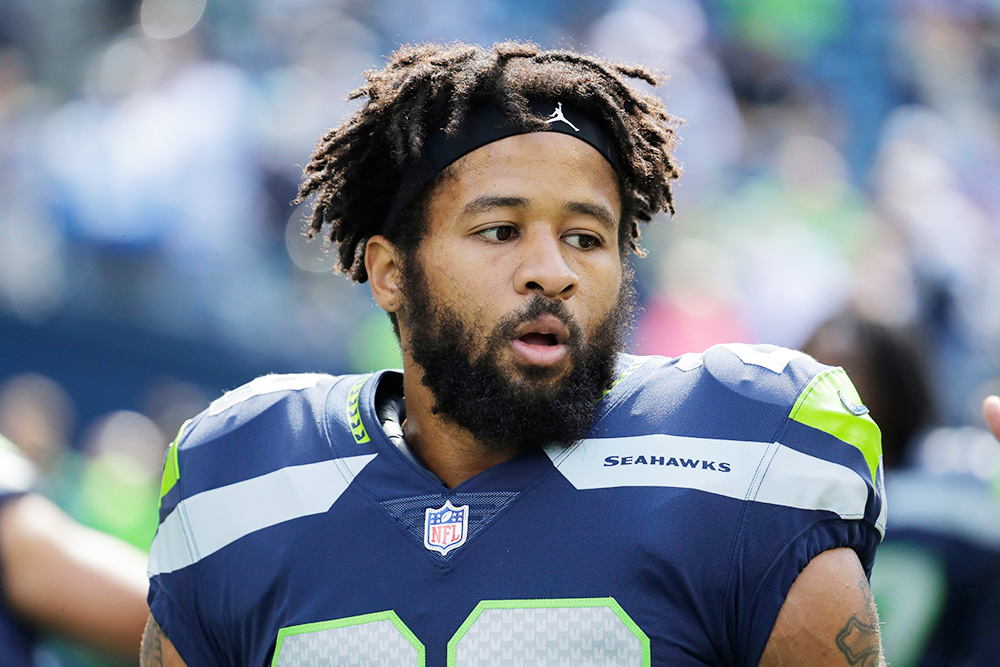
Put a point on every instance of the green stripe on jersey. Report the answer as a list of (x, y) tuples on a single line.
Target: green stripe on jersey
[(171, 469), (831, 404)]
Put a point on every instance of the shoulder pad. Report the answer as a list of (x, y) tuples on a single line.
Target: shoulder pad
[(244, 403), (761, 371), (739, 391), (249, 431)]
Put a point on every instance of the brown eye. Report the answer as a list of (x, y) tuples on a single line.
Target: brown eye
[(583, 241), (498, 234)]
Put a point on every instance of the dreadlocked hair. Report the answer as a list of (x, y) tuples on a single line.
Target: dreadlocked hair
[(356, 166)]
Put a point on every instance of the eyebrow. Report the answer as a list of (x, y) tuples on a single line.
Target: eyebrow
[(601, 213), (485, 203)]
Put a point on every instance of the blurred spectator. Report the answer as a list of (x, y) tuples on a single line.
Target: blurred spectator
[(937, 578), (38, 413), (60, 577), (887, 367), (170, 402), (119, 485), (844, 153)]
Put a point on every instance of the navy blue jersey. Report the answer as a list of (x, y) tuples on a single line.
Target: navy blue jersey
[(17, 641), (293, 531)]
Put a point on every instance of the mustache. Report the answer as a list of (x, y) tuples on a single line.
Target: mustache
[(532, 310)]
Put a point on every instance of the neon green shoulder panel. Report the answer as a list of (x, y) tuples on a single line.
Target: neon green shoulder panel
[(171, 469), (831, 404), (354, 411)]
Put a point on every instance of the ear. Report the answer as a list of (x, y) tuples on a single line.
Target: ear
[(382, 261)]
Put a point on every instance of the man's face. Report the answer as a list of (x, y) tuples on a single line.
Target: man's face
[(517, 298)]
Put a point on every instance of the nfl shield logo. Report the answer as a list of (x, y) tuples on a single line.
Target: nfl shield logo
[(445, 528)]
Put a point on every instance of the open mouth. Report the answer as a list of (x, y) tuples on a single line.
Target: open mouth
[(535, 338), (542, 341)]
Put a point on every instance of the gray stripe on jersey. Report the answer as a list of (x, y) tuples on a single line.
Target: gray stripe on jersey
[(763, 472), (208, 521), (266, 384)]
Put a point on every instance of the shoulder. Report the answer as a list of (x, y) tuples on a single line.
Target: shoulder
[(270, 423), (257, 399), (232, 468), (743, 393), (763, 373), (799, 424), (731, 391)]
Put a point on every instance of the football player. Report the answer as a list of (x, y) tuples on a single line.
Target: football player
[(523, 492)]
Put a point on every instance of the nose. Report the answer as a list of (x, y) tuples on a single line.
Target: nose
[(542, 268)]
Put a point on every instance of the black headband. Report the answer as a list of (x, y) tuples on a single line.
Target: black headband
[(483, 125)]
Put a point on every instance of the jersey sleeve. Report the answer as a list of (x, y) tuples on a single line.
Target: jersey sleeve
[(819, 487), (790, 466), (175, 589), (246, 434)]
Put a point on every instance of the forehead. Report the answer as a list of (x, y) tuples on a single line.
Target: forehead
[(540, 166)]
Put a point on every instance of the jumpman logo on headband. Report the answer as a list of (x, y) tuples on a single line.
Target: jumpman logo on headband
[(558, 115)]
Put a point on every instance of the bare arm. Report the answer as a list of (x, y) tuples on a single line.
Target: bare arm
[(157, 650), (71, 580), (991, 410), (828, 619)]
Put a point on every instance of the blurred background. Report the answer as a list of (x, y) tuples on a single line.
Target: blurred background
[(839, 155)]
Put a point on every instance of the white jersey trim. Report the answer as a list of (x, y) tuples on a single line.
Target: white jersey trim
[(266, 384), (206, 522), (775, 360), (763, 472)]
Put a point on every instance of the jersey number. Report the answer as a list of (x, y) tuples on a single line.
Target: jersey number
[(585, 631)]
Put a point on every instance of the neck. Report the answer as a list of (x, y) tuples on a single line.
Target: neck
[(445, 448)]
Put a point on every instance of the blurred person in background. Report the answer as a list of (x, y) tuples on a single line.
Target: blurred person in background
[(119, 486), (522, 487), (937, 579), (38, 414), (60, 578)]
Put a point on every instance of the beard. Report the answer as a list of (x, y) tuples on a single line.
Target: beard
[(503, 412)]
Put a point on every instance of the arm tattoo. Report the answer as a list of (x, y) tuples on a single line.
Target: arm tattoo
[(152, 645), (859, 639)]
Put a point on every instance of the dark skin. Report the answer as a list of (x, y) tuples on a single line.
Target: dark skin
[(828, 617), (534, 214), (546, 244), (856, 640), (157, 650)]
